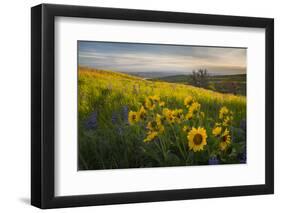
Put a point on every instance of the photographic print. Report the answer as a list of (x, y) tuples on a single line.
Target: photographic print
[(160, 105)]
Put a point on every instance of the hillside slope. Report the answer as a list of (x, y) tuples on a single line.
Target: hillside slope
[(107, 138)]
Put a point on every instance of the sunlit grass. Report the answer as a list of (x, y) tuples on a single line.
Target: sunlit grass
[(113, 143)]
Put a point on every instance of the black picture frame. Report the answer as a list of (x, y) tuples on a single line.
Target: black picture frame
[(43, 102)]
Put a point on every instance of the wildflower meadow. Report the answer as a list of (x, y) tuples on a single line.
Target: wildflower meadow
[(132, 122)]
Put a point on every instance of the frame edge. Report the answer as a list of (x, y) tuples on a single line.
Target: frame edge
[(36, 85), (269, 118)]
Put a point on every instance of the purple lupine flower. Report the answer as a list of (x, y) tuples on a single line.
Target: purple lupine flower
[(114, 118), (92, 121), (125, 111), (213, 161)]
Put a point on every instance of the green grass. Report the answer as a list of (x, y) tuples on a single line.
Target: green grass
[(113, 143)]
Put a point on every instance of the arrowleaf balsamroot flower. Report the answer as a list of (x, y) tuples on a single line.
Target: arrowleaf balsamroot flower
[(169, 115), (187, 101), (223, 112), (225, 140), (142, 113), (227, 121), (217, 131), (193, 109), (133, 117), (178, 115), (155, 98), (155, 128), (149, 104), (197, 139)]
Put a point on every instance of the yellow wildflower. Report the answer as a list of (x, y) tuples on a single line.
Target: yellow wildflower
[(188, 100), (195, 107), (223, 112), (227, 121), (154, 98), (149, 104), (150, 136), (160, 126), (133, 117), (156, 125), (189, 115), (197, 139), (225, 140), (169, 115), (142, 113), (178, 115), (217, 131)]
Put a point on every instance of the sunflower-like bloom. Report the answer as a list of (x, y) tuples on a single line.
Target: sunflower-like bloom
[(217, 131), (150, 136), (155, 128), (194, 108), (189, 115), (223, 112), (155, 98), (169, 115), (178, 115), (151, 125), (133, 117), (142, 113), (149, 104), (197, 139), (159, 123), (225, 140), (187, 101), (156, 125), (227, 120)]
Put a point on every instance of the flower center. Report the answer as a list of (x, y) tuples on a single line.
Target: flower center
[(197, 139), (224, 138), (134, 117), (154, 124)]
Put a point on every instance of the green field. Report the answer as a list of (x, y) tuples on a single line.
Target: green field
[(235, 84), (128, 122)]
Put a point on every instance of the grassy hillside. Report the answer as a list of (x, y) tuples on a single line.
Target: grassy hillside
[(109, 138), (221, 83)]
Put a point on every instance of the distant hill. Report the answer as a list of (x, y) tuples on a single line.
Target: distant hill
[(152, 74), (222, 83)]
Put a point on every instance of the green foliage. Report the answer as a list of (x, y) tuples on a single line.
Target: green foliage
[(113, 143)]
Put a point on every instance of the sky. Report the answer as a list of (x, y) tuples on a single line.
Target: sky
[(178, 59)]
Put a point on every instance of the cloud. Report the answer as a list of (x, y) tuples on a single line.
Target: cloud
[(146, 58)]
